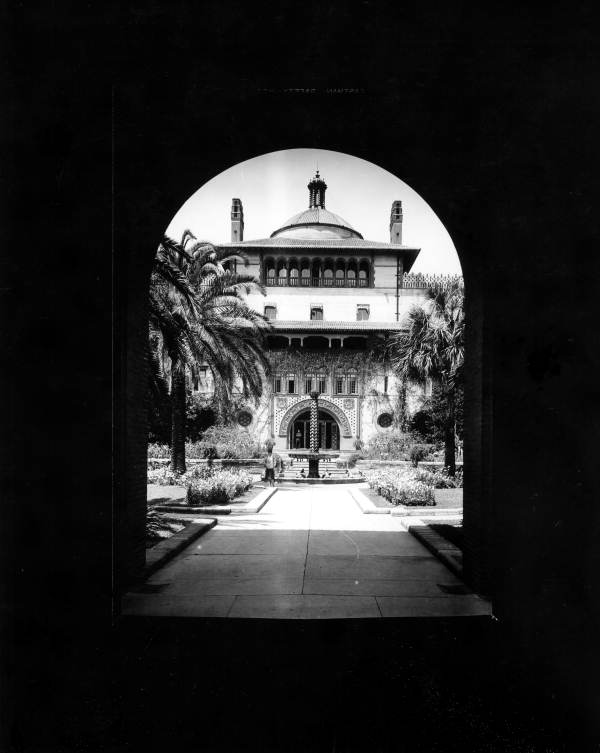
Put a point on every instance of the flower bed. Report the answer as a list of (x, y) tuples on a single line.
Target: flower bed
[(217, 487), (440, 479), (401, 487), (164, 476)]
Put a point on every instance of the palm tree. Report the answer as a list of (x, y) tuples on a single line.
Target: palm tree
[(197, 316), (433, 348)]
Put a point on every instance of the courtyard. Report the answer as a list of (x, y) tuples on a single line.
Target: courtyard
[(309, 553)]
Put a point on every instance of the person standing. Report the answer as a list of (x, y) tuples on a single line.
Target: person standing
[(270, 467)]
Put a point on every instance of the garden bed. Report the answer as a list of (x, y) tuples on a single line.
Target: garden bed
[(451, 499), (183, 508)]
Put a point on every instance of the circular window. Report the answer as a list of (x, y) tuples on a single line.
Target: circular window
[(385, 420), (244, 418)]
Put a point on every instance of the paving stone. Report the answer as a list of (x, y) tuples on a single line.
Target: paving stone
[(377, 587), (275, 583), (305, 607), (430, 606), (163, 606), (363, 543), (221, 541), (372, 567), (243, 566)]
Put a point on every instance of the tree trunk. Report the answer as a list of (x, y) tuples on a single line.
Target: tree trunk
[(177, 418), (449, 437)]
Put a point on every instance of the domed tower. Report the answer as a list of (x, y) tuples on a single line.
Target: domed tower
[(316, 223)]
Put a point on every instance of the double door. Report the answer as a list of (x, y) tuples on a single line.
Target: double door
[(329, 438)]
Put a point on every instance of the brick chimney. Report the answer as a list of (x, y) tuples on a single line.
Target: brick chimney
[(396, 223), (237, 221)]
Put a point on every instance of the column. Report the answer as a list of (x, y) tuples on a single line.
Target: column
[(313, 461)]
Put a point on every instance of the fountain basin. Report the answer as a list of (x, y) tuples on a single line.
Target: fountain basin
[(308, 455)]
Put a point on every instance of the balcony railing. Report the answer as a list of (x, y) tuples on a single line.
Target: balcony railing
[(316, 282)]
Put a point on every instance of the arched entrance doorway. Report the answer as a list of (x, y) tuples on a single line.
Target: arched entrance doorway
[(299, 432)]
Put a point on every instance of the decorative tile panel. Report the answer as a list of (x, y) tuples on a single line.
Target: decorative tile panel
[(299, 403)]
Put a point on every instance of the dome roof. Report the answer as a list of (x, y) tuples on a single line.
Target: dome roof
[(316, 223)]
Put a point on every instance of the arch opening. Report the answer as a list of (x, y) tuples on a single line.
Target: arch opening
[(328, 270), (328, 431)]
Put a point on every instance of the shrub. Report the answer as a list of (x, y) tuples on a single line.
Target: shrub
[(199, 415), (417, 453), (353, 458), (217, 488), (391, 444), (437, 479), (230, 442), (401, 487), (158, 450), (164, 476)]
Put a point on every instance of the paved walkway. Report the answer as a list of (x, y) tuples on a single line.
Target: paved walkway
[(309, 554)]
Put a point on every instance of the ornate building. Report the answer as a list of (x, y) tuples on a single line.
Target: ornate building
[(334, 298)]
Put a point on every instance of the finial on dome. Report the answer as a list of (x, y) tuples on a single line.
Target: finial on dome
[(316, 192)]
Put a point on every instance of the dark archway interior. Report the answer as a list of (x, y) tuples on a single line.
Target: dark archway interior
[(488, 113), (486, 140), (328, 432)]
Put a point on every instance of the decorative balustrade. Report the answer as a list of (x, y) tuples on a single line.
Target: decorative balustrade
[(316, 282), (419, 280)]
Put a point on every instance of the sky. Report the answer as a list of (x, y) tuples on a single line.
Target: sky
[(273, 188)]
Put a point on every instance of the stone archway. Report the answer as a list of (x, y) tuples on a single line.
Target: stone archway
[(134, 270), (328, 432), (324, 405)]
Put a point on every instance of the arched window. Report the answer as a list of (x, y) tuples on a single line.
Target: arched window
[(317, 269), (281, 272), (270, 271), (322, 382), (363, 274), (351, 276), (304, 272), (309, 383), (291, 384), (293, 280), (339, 278)]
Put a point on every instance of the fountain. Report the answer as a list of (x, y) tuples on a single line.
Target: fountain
[(314, 455)]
